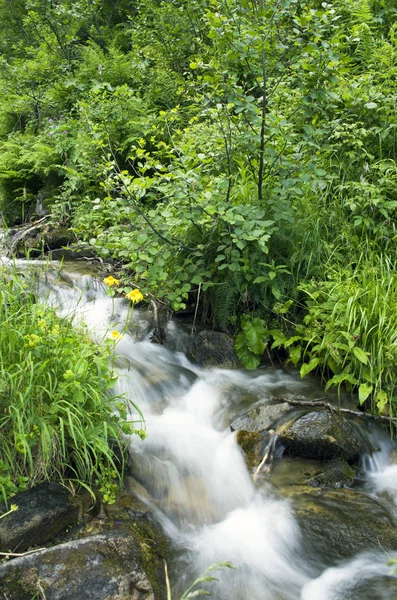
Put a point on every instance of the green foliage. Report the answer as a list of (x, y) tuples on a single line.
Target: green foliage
[(349, 331), (229, 155), (57, 408), (251, 342)]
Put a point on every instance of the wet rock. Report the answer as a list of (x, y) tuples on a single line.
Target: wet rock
[(335, 473), (214, 349), (320, 434), (42, 513), (41, 240), (73, 252), (335, 523), (117, 555), (339, 523), (98, 567), (393, 456), (252, 444), (260, 418)]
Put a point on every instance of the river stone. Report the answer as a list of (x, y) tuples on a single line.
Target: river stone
[(214, 349), (99, 567), (339, 523), (260, 418), (320, 434), (43, 512)]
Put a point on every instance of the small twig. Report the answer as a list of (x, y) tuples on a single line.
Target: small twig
[(264, 459), (22, 553), (196, 310)]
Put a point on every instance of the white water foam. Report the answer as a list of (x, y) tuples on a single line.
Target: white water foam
[(339, 583)]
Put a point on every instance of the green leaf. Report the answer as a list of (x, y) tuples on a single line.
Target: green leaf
[(295, 355), (340, 378), (363, 392), (308, 367), (381, 400), (247, 357), (256, 335), (361, 355)]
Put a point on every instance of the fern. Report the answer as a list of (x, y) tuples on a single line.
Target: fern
[(225, 300)]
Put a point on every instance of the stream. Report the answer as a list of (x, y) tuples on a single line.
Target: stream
[(192, 473)]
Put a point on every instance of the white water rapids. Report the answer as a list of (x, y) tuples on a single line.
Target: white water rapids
[(194, 475)]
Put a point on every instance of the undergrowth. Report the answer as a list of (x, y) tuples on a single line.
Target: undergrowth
[(58, 415)]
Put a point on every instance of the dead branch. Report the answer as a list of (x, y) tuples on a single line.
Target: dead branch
[(321, 402)]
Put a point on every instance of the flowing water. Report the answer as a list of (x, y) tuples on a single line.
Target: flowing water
[(191, 471)]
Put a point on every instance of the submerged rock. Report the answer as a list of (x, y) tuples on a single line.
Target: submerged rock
[(214, 349), (335, 473), (43, 512), (98, 567), (320, 434)]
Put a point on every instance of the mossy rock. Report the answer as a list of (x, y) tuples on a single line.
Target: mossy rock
[(339, 523), (214, 349), (117, 555), (43, 512), (252, 445), (99, 567), (337, 473)]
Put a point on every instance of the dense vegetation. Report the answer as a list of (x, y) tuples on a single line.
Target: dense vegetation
[(235, 156), (58, 416)]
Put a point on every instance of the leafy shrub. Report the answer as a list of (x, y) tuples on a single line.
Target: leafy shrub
[(348, 332)]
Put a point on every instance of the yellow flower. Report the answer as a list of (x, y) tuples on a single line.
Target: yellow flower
[(115, 335), (135, 296), (32, 340), (111, 281)]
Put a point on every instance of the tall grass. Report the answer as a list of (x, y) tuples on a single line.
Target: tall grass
[(350, 328), (58, 416)]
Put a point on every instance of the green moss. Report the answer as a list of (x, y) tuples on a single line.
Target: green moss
[(252, 445)]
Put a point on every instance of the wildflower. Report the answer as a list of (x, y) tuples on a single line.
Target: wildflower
[(135, 296), (111, 281), (68, 374), (42, 325), (115, 335), (32, 340)]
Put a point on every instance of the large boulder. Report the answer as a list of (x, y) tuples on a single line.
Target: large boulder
[(214, 349), (43, 512), (109, 552), (322, 434), (98, 567)]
